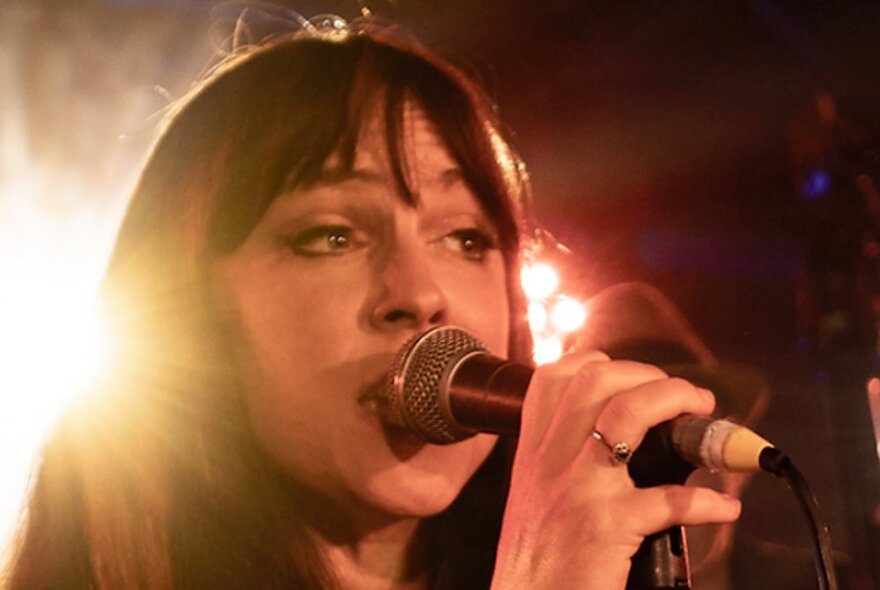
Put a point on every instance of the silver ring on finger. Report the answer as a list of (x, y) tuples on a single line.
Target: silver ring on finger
[(621, 452)]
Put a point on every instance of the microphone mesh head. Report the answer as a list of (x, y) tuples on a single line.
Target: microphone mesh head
[(417, 383)]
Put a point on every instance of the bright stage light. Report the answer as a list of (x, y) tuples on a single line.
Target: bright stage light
[(537, 316), (53, 337), (567, 315), (552, 316), (539, 280), (547, 350), (54, 340), (70, 146)]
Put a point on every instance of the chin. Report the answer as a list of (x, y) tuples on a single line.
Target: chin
[(428, 482)]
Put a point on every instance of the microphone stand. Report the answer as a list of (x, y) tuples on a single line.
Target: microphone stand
[(661, 561)]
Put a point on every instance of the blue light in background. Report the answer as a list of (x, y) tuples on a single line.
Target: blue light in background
[(816, 185)]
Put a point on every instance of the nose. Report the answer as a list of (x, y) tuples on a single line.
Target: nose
[(408, 295)]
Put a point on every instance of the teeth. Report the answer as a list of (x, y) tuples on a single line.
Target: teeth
[(367, 397), (370, 400), (375, 396)]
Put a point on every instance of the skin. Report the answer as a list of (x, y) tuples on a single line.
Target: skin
[(574, 518), (324, 292), (326, 289)]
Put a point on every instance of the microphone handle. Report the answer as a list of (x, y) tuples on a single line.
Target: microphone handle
[(661, 562)]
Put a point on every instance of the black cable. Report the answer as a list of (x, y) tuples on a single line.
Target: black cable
[(779, 464)]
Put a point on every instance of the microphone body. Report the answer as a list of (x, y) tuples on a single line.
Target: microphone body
[(445, 387)]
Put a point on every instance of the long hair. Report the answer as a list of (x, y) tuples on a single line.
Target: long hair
[(155, 481)]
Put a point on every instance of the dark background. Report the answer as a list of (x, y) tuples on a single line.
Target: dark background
[(710, 148)]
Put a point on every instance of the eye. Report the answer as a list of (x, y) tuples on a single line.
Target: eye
[(326, 240), (472, 243)]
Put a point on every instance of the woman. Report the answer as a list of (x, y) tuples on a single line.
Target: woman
[(311, 206)]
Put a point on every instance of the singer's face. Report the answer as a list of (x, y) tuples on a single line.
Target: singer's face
[(323, 293)]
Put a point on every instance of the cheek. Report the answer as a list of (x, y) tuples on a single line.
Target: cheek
[(306, 359), (292, 340), (294, 336), (478, 302), (292, 325), (294, 346)]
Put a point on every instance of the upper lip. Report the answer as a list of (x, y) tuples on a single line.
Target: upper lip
[(376, 400), (375, 390)]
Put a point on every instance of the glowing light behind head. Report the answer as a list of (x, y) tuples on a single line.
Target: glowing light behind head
[(64, 175), (54, 340), (539, 280), (552, 315)]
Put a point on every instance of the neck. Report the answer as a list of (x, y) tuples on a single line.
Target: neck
[(364, 549), (391, 557)]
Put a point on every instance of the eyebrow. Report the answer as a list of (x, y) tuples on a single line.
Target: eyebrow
[(338, 175), (451, 176)]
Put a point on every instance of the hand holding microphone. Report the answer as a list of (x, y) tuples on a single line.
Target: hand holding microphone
[(445, 387), (572, 507)]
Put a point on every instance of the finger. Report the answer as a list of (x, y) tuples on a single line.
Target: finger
[(627, 416), (661, 507), (547, 386), (588, 391)]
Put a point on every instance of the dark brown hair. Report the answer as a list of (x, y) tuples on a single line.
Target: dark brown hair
[(155, 481)]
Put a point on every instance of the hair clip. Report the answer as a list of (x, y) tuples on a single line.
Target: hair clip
[(331, 27), (242, 25)]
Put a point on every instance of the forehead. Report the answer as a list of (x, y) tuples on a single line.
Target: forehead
[(417, 147), (433, 184)]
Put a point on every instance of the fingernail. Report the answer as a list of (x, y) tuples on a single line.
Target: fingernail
[(706, 394)]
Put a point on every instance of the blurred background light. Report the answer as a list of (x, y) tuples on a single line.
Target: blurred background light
[(567, 315), (547, 350), (539, 280), (537, 316), (54, 339), (552, 316), (80, 104), (816, 185)]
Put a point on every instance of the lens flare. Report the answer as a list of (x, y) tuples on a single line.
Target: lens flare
[(567, 315), (539, 280), (54, 339), (537, 315), (552, 316), (547, 350)]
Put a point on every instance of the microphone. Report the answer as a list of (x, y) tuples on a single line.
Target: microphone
[(444, 386)]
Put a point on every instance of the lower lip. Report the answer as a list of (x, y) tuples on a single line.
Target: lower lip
[(401, 441)]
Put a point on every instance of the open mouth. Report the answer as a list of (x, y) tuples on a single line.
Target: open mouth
[(400, 439)]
